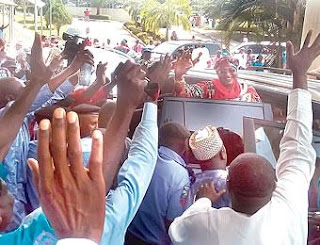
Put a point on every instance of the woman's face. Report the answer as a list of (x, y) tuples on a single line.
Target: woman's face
[(227, 75)]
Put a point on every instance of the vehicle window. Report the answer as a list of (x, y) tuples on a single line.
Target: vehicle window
[(268, 142), (165, 48), (212, 47)]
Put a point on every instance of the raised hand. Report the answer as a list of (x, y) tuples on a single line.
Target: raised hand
[(208, 190), (184, 63), (83, 56), (159, 71), (301, 61), (72, 197), (130, 84), (40, 73), (6, 205), (101, 73)]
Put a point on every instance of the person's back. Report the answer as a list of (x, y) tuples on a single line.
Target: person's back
[(166, 197), (168, 178)]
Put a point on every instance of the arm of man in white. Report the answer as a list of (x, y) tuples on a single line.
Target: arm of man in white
[(182, 228), (76, 241), (296, 162)]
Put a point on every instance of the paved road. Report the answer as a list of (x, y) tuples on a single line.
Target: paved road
[(103, 30)]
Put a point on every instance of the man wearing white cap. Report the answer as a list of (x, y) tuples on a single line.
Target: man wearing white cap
[(209, 151)]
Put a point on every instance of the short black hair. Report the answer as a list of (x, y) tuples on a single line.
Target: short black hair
[(172, 132)]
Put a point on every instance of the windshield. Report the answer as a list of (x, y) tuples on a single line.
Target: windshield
[(165, 48)]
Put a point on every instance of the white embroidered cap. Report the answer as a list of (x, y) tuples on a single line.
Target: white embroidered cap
[(205, 143)]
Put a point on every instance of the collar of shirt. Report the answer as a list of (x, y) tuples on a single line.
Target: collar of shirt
[(223, 173), (168, 154)]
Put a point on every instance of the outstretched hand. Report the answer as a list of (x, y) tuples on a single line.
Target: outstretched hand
[(101, 73), (129, 78), (208, 190), (40, 73), (83, 56), (72, 197), (184, 63), (301, 61), (159, 71)]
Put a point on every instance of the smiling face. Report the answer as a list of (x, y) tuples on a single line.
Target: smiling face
[(227, 75)]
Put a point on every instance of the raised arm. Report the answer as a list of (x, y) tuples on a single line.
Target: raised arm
[(296, 163), (94, 88), (130, 83), (83, 56), (134, 176), (15, 114)]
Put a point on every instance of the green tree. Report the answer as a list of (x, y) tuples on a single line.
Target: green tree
[(135, 7), (156, 15), (278, 20), (60, 15), (98, 4)]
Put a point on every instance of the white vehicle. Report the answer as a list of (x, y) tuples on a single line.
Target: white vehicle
[(266, 49)]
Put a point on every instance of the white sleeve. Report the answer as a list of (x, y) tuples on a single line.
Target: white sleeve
[(296, 162), (76, 241)]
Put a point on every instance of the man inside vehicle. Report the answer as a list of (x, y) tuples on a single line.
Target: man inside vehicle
[(225, 87)]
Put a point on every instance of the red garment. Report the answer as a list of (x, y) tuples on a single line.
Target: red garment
[(86, 13), (98, 96), (216, 90)]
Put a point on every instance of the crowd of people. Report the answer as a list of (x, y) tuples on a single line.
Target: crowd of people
[(70, 173)]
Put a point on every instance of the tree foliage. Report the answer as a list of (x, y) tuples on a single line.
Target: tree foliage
[(278, 20), (154, 14), (60, 15)]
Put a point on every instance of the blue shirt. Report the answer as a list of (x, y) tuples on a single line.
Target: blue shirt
[(15, 161), (166, 199), (219, 178), (122, 203)]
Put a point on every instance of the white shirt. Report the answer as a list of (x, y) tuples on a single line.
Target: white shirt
[(75, 241), (204, 59), (242, 60), (282, 221)]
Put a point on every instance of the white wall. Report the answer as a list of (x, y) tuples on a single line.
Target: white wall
[(115, 14)]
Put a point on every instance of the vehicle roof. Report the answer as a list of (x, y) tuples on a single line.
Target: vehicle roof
[(183, 42)]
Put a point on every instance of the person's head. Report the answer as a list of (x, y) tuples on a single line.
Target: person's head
[(207, 149), (18, 46), (124, 42), (219, 53), (106, 113), (242, 50), (10, 65), (146, 54), (175, 137), (226, 71), (151, 42), (88, 118), (137, 42), (108, 41), (10, 89), (232, 142), (259, 58), (251, 182), (249, 51)]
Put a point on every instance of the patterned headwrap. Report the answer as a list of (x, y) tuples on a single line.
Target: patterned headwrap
[(225, 62)]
